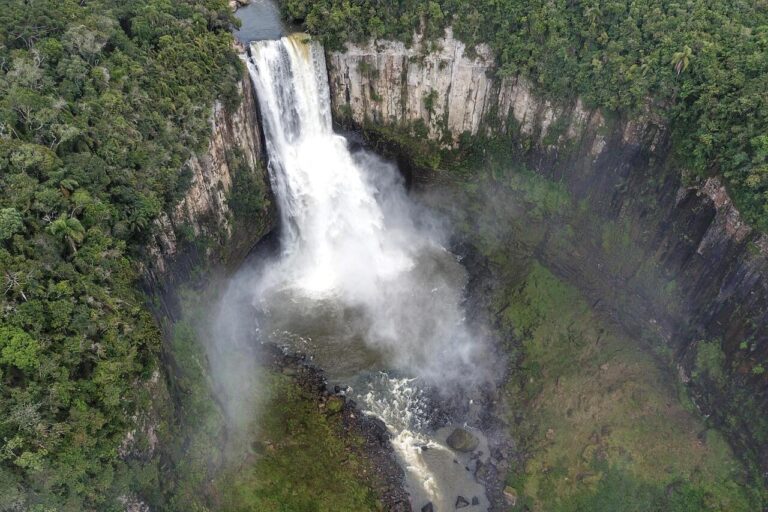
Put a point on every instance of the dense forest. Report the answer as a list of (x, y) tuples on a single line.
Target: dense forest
[(703, 64), (101, 103)]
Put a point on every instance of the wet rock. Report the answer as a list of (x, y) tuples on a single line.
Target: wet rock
[(461, 502), (428, 507), (485, 473), (462, 440)]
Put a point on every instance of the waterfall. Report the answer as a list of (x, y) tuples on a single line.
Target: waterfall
[(360, 284), (333, 225), (348, 226)]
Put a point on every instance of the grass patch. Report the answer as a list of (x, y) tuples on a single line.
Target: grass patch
[(710, 361), (605, 428), (299, 461)]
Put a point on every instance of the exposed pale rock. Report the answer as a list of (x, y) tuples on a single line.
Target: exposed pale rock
[(728, 217), (236, 4), (387, 83), (510, 495), (133, 504)]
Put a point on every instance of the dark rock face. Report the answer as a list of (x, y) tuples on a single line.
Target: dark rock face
[(461, 502), (693, 272)]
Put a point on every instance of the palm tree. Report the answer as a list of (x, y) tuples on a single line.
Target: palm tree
[(681, 59), (69, 230), (593, 14)]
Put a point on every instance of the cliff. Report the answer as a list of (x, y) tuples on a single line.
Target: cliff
[(224, 212), (454, 91), (205, 227), (668, 258)]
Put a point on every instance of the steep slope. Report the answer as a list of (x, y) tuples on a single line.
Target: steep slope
[(227, 207), (670, 260)]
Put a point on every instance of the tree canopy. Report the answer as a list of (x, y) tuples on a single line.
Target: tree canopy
[(101, 104)]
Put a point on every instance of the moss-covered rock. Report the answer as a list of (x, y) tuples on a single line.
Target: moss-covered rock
[(462, 440)]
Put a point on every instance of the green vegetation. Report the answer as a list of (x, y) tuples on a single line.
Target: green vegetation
[(710, 361), (429, 102), (291, 455), (604, 429), (195, 446), (301, 461), (704, 64), (411, 141), (247, 198), (101, 103)]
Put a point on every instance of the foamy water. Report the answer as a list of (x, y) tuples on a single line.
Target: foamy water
[(363, 282)]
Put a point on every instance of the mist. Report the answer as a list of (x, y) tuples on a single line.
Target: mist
[(360, 267)]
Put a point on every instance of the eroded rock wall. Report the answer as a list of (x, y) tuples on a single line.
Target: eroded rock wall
[(202, 228), (202, 232), (450, 88)]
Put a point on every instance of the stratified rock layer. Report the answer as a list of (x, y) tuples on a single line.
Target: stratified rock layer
[(204, 213)]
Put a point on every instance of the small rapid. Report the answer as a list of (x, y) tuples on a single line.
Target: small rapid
[(363, 283)]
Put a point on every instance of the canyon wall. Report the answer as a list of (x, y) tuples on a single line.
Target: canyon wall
[(208, 229), (667, 258), (204, 226), (454, 91)]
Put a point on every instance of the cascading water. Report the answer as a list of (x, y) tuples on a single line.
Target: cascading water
[(371, 294)]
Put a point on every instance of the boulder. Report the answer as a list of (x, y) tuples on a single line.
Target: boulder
[(428, 507), (234, 5), (334, 404), (462, 440), (461, 502), (510, 494)]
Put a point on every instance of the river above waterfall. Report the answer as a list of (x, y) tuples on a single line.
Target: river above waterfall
[(259, 20)]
